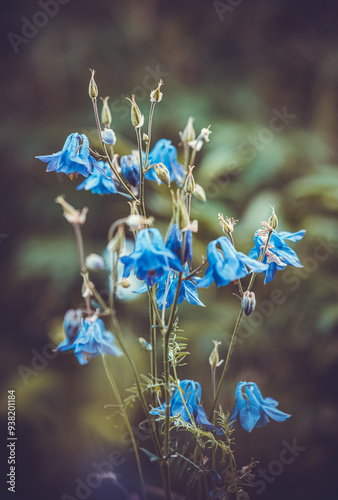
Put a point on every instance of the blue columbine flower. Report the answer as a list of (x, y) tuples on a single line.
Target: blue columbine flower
[(188, 291), (130, 167), (251, 410), (192, 393), (91, 341), (72, 323), (98, 183), (174, 243), (228, 265), (74, 158), (150, 257), (164, 152), (278, 254)]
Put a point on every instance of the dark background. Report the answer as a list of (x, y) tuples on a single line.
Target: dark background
[(231, 73)]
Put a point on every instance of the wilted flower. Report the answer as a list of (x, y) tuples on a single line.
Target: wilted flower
[(150, 257), (70, 213), (251, 410), (191, 392), (91, 341), (278, 254), (73, 159), (98, 183), (228, 265)]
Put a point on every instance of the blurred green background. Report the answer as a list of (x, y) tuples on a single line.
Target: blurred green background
[(235, 68)]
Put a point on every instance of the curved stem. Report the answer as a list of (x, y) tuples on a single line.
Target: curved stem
[(80, 251), (126, 420)]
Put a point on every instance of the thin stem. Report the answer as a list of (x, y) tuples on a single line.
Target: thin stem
[(94, 101), (139, 145), (238, 280), (260, 260), (80, 251), (126, 420)]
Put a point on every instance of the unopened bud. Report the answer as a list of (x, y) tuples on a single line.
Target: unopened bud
[(273, 221), (188, 133), (189, 185), (108, 136), (116, 244), (145, 344), (137, 119), (95, 262), (87, 287), (248, 302), (93, 90), (162, 173), (182, 215), (145, 138), (199, 192), (214, 360), (156, 95), (70, 213), (72, 322), (105, 113), (125, 283)]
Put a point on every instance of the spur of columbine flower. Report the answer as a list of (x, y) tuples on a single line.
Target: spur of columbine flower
[(227, 265), (252, 410), (164, 152), (166, 291), (278, 254), (73, 159), (91, 339), (191, 392), (98, 183), (150, 258)]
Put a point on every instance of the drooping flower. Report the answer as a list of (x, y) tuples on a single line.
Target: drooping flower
[(130, 167), (71, 323), (252, 410), (73, 159), (174, 243), (278, 254), (228, 265), (191, 392), (98, 183), (150, 258), (187, 292), (91, 341), (164, 152)]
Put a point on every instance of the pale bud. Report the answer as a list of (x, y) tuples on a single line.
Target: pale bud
[(273, 221), (72, 215), (199, 193), (189, 185), (137, 119), (214, 360), (116, 244), (156, 95), (188, 133), (108, 136), (93, 90), (162, 173), (95, 262), (105, 113)]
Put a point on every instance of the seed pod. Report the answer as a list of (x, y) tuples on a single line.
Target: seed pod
[(105, 113), (93, 90), (162, 173)]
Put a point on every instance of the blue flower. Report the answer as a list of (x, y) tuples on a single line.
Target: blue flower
[(150, 257), (164, 152), (108, 136), (130, 167), (98, 183), (191, 392), (188, 291), (228, 265), (91, 341), (278, 254), (251, 410), (174, 243), (74, 158), (71, 323)]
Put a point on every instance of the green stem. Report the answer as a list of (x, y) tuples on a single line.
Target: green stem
[(139, 145), (126, 420), (80, 251)]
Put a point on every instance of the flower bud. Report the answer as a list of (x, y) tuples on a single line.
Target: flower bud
[(93, 90), (188, 133), (199, 192), (182, 214), (214, 360), (273, 221), (189, 185), (125, 283), (72, 322), (137, 119), (156, 95), (108, 136), (248, 302), (72, 215), (116, 244), (95, 262), (105, 113), (145, 138), (162, 173), (145, 344)]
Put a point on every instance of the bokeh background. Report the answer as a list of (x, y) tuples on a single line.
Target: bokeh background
[(234, 67)]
